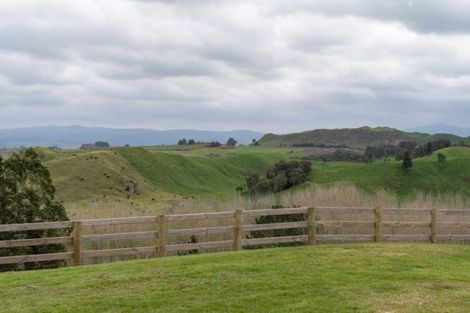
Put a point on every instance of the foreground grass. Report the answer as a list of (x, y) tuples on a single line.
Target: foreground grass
[(325, 278)]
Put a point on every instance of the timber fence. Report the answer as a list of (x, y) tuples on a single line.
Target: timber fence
[(220, 231)]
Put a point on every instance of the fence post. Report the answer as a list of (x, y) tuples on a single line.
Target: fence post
[(237, 231), (378, 225), (161, 235), (311, 222), (77, 243), (433, 225)]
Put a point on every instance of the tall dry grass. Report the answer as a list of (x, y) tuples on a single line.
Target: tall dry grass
[(339, 195)]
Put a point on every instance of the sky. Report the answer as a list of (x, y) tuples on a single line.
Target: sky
[(272, 66)]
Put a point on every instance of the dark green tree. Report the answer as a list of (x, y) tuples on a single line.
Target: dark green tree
[(407, 160), (231, 142), (27, 196), (441, 158)]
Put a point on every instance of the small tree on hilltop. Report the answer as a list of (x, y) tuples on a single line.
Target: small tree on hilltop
[(231, 142), (441, 158), (182, 142), (407, 160)]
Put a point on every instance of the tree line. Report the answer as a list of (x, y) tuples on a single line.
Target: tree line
[(231, 142)]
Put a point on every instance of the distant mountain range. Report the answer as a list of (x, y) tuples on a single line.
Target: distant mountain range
[(358, 138), (442, 129), (74, 136)]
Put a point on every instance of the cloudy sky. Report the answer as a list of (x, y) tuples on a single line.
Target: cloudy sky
[(274, 66)]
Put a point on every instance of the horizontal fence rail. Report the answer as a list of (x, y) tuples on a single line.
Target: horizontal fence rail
[(169, 234)]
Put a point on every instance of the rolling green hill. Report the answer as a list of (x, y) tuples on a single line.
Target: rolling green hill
[(453, 176), (325, 278), (92, 182), (97, 180), (199, 175), (354, 137)]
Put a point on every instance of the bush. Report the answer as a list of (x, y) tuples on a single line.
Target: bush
[(407, 160), (279, 232), (27, 196), (281, 176)]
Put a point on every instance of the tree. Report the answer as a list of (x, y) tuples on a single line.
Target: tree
[(27, 196), (281, 176), (214, 144), (102, 145), (407, 160), (231, 142), (182, 142), (441, 158), (191, 142)]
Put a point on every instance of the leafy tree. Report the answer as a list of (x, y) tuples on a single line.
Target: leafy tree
[(214, 144), (182, 142), (27, 196), (191, 142), (281, 176), (407, 160), (441, 158), (102, 145), (419, 152), (231, 142)]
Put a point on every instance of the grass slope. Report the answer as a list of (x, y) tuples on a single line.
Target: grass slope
[(326, 278), (98, 177), (198, 175), (164, 174), (453, 176)]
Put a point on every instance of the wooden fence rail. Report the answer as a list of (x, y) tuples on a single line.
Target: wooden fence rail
[(318, 225)]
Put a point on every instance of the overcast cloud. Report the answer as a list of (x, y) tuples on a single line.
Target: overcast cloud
[(274, 66)]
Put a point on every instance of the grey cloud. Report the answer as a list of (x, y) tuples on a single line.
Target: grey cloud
[(266, 65)]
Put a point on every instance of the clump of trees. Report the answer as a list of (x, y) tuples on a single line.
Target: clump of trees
[(399, 151), (27, 196), (281, 176), (96, 145), (190, 142), (337, 155)]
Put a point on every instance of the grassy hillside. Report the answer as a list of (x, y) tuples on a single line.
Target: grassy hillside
[(93, 183), (453, 176), (217, 174), (97, 180), (353, 137), (326, 278)]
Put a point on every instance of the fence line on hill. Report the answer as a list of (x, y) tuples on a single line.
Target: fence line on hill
[(319, 225)]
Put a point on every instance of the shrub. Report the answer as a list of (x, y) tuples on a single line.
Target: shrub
[(27, 196), (281, 176), (279, 232)]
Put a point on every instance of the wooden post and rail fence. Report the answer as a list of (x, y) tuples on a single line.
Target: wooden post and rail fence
[(320, 225)]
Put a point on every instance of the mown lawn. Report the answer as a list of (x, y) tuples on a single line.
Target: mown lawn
[(324, 278)]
